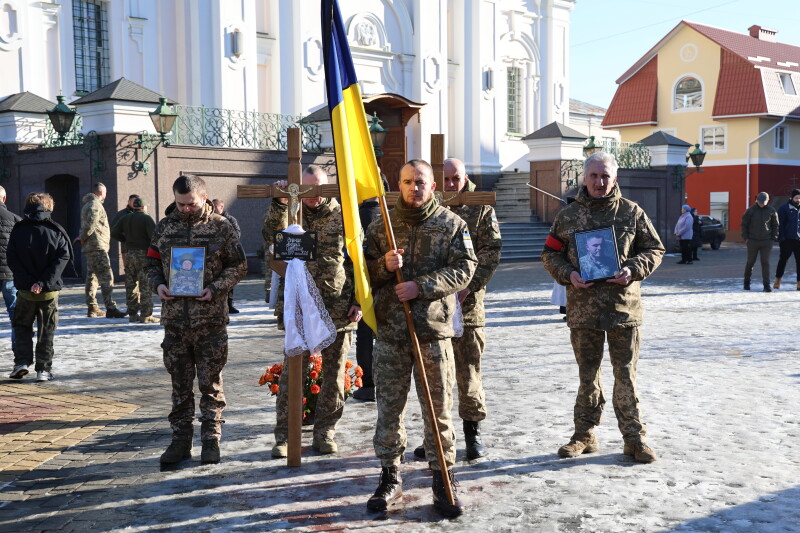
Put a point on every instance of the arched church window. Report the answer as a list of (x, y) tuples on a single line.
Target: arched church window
[(688, 94)]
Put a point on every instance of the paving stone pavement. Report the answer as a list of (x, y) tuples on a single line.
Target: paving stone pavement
[(85, 446)]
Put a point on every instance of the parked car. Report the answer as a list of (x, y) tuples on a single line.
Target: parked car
[(711, 231)]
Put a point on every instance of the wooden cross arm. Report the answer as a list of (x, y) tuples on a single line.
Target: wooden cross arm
[(271, 191), (469, 198)]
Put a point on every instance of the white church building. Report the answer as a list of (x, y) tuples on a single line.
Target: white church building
[(483, 72)]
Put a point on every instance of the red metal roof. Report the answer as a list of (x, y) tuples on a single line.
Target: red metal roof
[(740, 90), (635, 99)]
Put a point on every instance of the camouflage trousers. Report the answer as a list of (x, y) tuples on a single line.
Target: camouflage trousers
[(623, 348), (134, 261), (99, 273), (330, 401), (393, 365), (467, 351), (201, 352)]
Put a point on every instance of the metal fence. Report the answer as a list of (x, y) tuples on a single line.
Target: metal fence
[(228, 128), (629, 155)]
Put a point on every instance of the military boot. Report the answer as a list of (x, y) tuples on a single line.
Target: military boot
[(94, 312), (575, 447), (134, 317), (440, 501), (641, 452), (281, 449), (177, 451), (324, 445), (767, 288), (389, 492), (419, 452), (210, 453), (115, 313), (747, 284), (472, 434), (777, 284)]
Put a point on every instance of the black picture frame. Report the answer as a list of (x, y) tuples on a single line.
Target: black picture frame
[(597, 260), (186, 270)]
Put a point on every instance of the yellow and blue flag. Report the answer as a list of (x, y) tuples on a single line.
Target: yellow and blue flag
[(356, 166)]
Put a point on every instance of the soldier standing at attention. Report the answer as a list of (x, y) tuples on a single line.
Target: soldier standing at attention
[(195, 329), (131, 287), (436, 256), (610, 309), (135, 231), (333, 274), (468, 349), (95, 241)]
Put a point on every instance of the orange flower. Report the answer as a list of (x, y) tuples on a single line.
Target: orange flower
[(359, 383), (263, 379), (348, 365), (318, 366), (304, 401), (276, 368), (359, 372), (347, 383), (273, 388), (313, 374), (315, 389)]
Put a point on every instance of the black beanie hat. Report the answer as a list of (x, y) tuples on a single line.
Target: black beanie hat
[(795, 192)]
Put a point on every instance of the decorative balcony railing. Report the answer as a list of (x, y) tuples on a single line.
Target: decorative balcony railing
[(228, 128), (629, 155)]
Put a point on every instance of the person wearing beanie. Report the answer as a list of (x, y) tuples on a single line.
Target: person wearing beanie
[(683, 231), (135, 230), (789, 236), (759, 231)]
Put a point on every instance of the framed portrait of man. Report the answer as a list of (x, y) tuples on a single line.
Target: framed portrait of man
[(598, 258), (186, 267)]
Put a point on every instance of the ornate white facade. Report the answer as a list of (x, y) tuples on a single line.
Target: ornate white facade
[(454, 56)]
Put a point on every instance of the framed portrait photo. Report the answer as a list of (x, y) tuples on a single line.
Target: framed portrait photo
[(186, 268), (598, 258)]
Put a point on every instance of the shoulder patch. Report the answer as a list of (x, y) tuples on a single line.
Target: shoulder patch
[(467, 240), (495, 223)]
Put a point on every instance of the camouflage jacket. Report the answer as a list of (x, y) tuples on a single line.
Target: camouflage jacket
[(438, 256), (225, 265), (604, 306), (333, 270), (95, 232), (485, 232)]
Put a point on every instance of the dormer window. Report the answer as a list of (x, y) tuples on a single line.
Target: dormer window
[(688, 94), (787, 83)]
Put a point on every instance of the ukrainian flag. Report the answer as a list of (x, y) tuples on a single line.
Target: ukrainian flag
[(355, 158)]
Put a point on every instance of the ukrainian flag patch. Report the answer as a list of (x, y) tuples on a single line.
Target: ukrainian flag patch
[(467, 241)]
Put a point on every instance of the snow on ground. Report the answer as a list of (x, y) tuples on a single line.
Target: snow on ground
[(719, 383)]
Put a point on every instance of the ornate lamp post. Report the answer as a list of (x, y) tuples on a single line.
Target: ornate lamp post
[(61, 117), (163, 118), (378, 134), (590, 147)]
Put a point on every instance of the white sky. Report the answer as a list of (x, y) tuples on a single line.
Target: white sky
[(608, 36)]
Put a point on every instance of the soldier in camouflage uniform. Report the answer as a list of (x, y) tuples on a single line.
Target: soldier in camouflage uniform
[(95, 241), (195, 329), (436, 256), (468, 348), (333, 274), (131, 286), (135, 231), (610, 309)]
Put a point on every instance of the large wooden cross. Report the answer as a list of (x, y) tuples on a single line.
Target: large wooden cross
[(295, 191)]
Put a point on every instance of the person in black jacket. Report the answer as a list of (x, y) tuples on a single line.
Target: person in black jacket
[(697, 228), (7, 221), (38, 252), (219, 208), (788, 236)]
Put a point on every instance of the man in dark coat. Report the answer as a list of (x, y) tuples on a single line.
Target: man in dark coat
[(759, 231), (7, 221), (219, 208), (38, 252), (788, 235)]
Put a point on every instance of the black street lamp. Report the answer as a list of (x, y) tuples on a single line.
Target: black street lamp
[(378, 134), (697, 156), (163, 118), (61, 117)]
